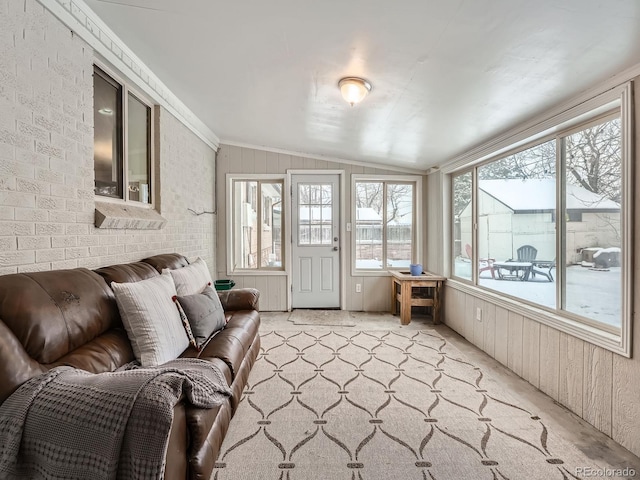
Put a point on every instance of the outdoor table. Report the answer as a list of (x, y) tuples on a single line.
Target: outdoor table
[(516, 270)]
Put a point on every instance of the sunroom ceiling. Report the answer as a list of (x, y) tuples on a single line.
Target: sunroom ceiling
[(446, 75)]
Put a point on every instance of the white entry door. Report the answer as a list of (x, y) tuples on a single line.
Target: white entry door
[(315, 244)]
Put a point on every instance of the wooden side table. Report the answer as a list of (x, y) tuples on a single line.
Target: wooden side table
[(415, 290)]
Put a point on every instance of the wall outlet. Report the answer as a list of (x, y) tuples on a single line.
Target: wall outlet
[(358, 288), (479, 314)]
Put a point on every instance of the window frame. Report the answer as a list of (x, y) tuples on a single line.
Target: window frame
[(616, 104), (126, 89), (416, 235), (231, 178)]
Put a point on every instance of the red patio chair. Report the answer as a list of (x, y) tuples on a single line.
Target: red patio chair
[(484, 264)]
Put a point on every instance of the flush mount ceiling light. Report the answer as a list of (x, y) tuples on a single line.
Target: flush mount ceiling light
[(354, 89), (105, 111)]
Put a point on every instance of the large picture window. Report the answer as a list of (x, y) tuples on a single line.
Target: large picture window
[(509, 237), (386, 226), (256, 224), (122, 141)]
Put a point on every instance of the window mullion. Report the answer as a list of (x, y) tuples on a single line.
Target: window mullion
[(384, 225), (561, 224), (259, 223), (125, 143)]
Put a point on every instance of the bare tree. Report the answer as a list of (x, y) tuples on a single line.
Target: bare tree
[(594, 159), (399, 198), (535, 162)]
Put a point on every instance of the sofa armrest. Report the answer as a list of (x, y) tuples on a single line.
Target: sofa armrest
[(16, 366), (239, 299)]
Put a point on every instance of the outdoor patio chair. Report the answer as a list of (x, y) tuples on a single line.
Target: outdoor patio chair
[(484, 264), (528, 253)]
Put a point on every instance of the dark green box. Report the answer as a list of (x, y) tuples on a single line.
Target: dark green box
[(223, 284)]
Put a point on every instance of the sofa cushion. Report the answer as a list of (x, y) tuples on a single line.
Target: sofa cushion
[(225, 347), (52, 313), (151, 319), (243, 326), (127, 272), (233, 342), (204, 313), (106, 353), (192, 278), (166, 260)]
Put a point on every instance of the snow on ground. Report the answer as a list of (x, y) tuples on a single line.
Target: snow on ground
[(592, 294)]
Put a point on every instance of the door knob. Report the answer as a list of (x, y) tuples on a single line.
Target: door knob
[(335, 249), (335, 239)]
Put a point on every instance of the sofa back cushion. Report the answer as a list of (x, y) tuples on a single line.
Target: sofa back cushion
[(53, 313), (127, 272), (166, 260)]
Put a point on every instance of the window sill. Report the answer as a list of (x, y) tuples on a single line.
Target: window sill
[(257, 273), (127, 216), (616, 343)]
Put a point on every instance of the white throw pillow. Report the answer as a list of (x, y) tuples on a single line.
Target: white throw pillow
[(191, 279), (151, 319)]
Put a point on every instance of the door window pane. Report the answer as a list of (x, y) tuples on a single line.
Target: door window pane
[(593, 230), (107, 113), (462, 228), (516, 224), (314, 214), (138, 150)]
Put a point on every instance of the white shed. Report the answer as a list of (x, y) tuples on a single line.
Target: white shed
[(514, 212)]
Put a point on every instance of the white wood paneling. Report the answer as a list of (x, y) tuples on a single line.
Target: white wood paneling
[(469, 315), (502, 335), (531, 352), (598, 366), (626, 398), (478, 325), (489, 320), (355, 300), (514, 353), (550, 361), (571, 373), (379, 297)]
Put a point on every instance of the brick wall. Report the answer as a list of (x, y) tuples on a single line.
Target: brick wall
[(46, 158)]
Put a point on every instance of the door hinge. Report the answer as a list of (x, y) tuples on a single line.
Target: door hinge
[(292, 288)]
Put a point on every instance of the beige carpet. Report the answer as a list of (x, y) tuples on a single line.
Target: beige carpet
[(329, 318), (358, 405)]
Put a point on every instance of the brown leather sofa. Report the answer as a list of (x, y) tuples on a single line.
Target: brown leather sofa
[(70, 317)]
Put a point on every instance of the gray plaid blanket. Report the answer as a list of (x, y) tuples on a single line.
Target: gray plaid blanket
[(71, 424)]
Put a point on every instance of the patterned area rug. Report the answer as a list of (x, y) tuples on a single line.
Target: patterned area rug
[(359, 405)]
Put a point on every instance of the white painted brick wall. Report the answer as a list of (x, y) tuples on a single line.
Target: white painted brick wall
[(46, 159)]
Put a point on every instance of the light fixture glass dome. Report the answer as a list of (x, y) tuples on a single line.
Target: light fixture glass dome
[(354, 89)]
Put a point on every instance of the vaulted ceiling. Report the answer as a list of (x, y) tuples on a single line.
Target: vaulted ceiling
[(447, 75)]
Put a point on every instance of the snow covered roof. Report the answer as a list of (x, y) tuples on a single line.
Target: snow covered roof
[(540, 194), (367, 214)]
